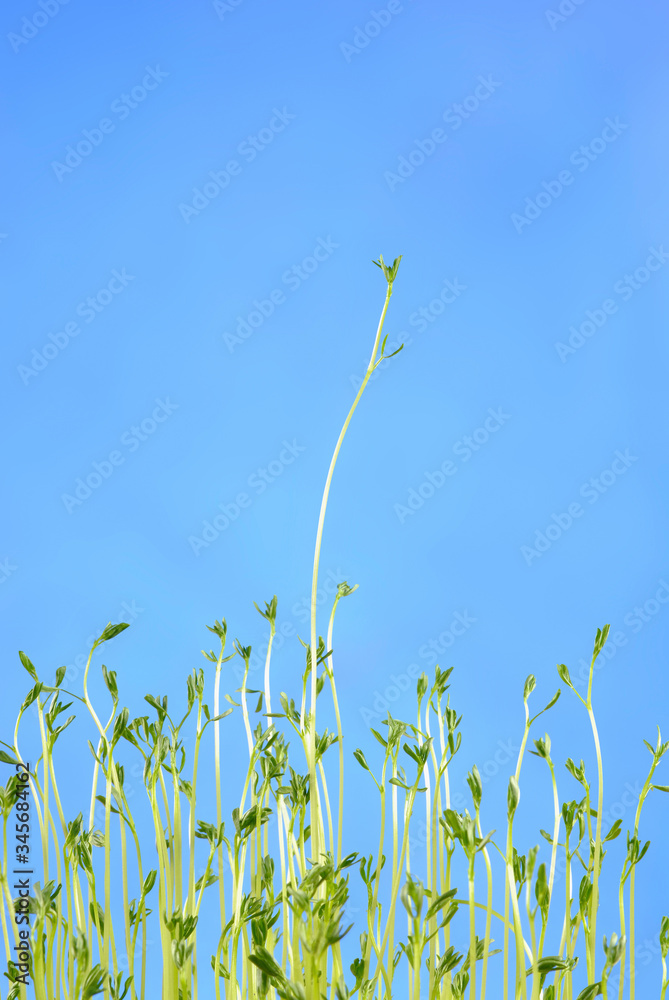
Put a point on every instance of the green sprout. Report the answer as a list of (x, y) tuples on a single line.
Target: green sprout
[(274, 876)]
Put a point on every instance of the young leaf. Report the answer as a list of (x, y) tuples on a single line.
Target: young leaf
[(563, 671), (614, 831), (400, 784), (28, 665), (600, 640), (553, 700), (513, 796), (110, 632), (590, 992)]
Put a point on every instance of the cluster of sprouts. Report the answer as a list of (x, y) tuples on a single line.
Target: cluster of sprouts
[(277, 871)]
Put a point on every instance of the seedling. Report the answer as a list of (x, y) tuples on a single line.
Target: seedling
[(276, 872)]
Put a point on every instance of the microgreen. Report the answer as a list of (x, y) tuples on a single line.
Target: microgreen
[(276, 873)]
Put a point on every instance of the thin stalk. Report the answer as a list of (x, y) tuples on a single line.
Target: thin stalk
[(217, 782), (315, 832), (396, 879), (472, 930), (498, 916), (434, 854), (371, 910), (488, 918), (518, 936), (107, 881), (340, 734), (393, 799), (328, 811), (621, 910), (556, 831), (594, 900), (657, 755), (509, 882)]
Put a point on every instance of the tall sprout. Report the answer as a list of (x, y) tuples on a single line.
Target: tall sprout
[(279, 861)]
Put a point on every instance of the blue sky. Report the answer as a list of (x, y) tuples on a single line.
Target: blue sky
[(193, 197)]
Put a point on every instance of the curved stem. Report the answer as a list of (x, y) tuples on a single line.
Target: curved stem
[(314, 581), (594, 902), (340, 735)]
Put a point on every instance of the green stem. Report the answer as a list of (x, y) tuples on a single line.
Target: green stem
[(488, 919), (472, 932), (340, 734), (509, 882), (594, 900), (315, 832), (621, 909), (632, 873)]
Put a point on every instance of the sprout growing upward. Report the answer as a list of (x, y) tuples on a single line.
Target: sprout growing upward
[(281, 856)]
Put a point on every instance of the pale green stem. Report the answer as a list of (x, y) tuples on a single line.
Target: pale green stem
[(621, 909), (509, 882), (594, 900), (340, 735), (472, 932), (632, 874), (268, 693), (488, 919), (219, 806), (315, 832), (371, 912), (396, 879)]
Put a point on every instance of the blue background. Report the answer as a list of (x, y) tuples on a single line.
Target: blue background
[(331, 173)]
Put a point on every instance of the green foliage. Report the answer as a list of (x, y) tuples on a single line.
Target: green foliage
[(281, 874)]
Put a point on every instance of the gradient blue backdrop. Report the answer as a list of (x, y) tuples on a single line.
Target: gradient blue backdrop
[(356, 107)]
